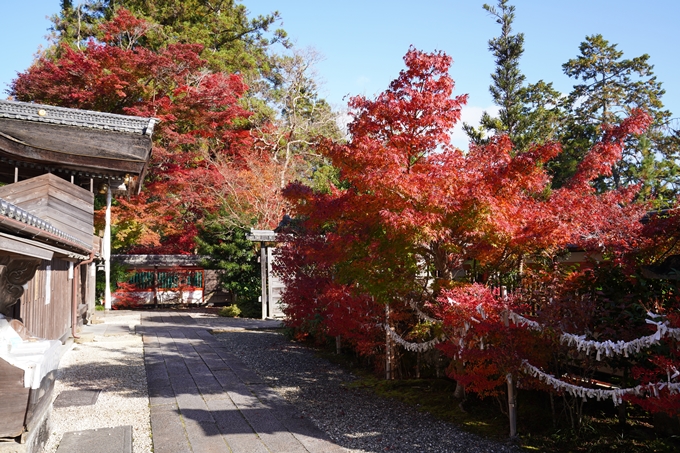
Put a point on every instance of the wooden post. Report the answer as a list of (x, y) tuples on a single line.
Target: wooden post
[(107, 250), (270, 285), (155, 286), (512, 394), (512, 405), (263, 271), (418, 365), (388, 347)]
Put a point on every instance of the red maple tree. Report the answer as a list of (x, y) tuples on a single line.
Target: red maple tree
[(202, 159), (428, 231)]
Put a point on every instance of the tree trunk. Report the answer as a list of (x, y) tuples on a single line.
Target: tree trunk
[(389, 348), (512, 404), (417, 365)]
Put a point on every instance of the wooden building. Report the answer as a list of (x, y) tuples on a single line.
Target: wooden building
[(52, 160), (167, 280)]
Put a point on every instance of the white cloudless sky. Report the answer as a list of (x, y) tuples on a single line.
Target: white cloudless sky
[(363, 41)]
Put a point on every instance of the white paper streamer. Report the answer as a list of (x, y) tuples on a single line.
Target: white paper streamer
[(599, 394), (411, 346), (608, 348), (522, 321), (422, 315)]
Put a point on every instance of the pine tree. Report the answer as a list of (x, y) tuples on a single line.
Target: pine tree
[(528, 114), (610, 88)]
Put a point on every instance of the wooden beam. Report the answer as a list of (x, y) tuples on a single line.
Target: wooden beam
[(78, 140), (11, 245), (49, 158)]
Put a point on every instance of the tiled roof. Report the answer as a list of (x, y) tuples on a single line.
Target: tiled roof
[(11, 211), (159, 260), (74, 117), (261, 235)]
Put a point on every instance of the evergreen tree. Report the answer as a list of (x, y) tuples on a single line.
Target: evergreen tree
[(610, 88), (528, 113), (232, 42), (229, 251)]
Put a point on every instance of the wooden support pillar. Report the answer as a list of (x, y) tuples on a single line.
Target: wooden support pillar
[(155, 286), (389, 347), (263, 270), (107, 250), (512, 391), (512, 405)]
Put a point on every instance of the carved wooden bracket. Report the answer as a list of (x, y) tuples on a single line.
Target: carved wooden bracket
[(14, 274)]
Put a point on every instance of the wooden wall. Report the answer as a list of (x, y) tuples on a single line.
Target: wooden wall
[(66, 206), (47, 320)]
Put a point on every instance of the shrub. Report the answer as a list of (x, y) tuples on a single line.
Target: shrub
[(230, 311)]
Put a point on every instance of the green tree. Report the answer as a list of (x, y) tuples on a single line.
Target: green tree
[(233, 256), (528, 113), (610, 88), (232, 41)]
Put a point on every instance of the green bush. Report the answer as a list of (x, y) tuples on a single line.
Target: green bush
[(230, 311)]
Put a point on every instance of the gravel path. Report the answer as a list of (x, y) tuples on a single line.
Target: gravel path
[(114, 364), (354, 418)]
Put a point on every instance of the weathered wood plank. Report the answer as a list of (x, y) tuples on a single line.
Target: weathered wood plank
[(40, 400), (8, 244), (77, 141), (25, 193), (13, 400), (48, 320), (99, 164), (66, 206), (59, 211), (39, 186)]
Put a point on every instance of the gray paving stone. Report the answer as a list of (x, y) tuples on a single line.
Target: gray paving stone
[(203, 398), (205, 437), (208, 385), (240, 369), (215, 363), (168, 431), (106, 440), (271, 431), (159, 396), (194, 405), (183, 385), (234, 428), (84, 397), (156, 370), (227, 379)]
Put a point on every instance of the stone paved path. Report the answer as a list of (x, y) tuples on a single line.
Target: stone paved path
[(203, 399)]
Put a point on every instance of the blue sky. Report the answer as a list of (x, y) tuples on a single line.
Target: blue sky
[(363, 42)]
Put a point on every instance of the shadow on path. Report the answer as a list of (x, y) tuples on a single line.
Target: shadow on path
[(205, 399)]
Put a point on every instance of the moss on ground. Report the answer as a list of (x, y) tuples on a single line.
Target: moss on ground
[(599, 433)]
